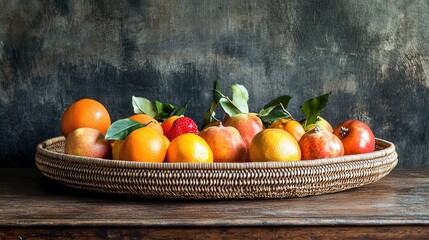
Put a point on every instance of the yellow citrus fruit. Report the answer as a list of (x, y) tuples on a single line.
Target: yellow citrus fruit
[(166, 125), (289, 125), (87, 113), (274, 145), (190, 148), (150, 121), (144, 145)]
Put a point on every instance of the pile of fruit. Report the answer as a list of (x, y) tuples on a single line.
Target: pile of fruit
[(161, 132)]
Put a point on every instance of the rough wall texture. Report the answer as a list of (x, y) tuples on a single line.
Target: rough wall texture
[(372, 55)]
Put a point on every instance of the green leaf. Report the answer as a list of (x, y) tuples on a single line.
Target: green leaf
[(266, 111), (280, 103), (143, 105), (179, 111), (240, 96), (209, 114), (238, 104), (229, 107), (120, 129), (275, 110), (274, 116), (216, 92), (282, 100), (312, 108), (164, 110)]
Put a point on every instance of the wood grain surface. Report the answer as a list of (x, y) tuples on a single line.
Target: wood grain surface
[(372, 55), (34, 207), (219, 233), (27, 198)]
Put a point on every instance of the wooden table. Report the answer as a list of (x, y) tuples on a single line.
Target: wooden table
[(35, 207)]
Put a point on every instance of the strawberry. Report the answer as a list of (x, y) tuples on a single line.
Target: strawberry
[(182, 125)]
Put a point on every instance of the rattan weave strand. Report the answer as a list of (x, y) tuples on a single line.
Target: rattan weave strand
[(217, 180)]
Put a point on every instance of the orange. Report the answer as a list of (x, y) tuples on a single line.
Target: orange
[(116, 149), (144, 145), (167, 141), (150, 121), (289, 125), (166, 125), (190, 148), (274, 145), (85, 113)]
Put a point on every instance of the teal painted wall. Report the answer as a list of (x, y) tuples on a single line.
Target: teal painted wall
[(372, 55)]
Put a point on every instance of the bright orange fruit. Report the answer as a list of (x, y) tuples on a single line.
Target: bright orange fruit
[(116, 149), (150, 121), (291, 126), (144, 145), (85, 113)]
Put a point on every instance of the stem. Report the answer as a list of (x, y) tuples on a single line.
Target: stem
[(286, 111), (344, 131), (152, 121), (229, 100), (317, 128), (217, 120)]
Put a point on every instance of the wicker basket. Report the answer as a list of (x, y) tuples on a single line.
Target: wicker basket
[(217, 180)]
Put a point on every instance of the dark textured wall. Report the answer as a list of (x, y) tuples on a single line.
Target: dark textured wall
[(372, 55)]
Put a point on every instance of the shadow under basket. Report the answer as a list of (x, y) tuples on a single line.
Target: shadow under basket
[(215, 180)]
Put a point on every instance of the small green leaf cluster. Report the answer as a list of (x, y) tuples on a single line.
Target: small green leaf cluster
[(160, 111), (232, 106), (272, 111), (313, 107), (120, 129)]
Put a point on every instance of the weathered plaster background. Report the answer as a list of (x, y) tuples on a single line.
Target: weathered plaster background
[(372, 55)]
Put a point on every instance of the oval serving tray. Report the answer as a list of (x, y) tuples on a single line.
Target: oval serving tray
[(215, 180)]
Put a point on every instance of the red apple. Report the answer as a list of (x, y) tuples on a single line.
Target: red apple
[(320, 143), (226, 143), (247, 124), (356, 136), (87, 142)]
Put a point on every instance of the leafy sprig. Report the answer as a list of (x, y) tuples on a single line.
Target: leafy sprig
[(312, 108), (236, 105), (275, 110), (120, 129), (160, 111)]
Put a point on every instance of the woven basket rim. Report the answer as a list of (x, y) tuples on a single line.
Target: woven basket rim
[(383, 148)]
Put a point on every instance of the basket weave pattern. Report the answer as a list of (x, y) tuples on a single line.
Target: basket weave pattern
[(217, 180)]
